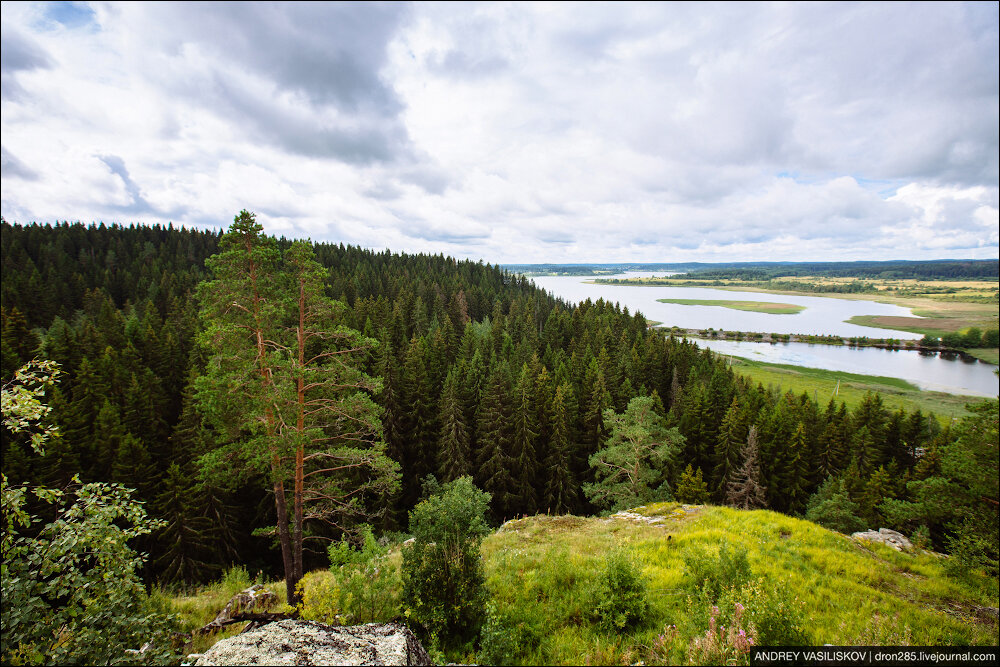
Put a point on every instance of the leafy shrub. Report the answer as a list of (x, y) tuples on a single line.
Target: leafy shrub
[(620, 594), (504, 638), (72, 592), (234, 580), (711, 574), (443, 580), (363, 585)]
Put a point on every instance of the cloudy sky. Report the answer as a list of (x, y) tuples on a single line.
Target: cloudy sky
[(516, 132)]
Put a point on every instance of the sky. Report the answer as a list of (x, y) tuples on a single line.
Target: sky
[(516, 133)]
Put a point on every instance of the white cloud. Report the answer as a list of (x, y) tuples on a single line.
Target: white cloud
[(517, 132)]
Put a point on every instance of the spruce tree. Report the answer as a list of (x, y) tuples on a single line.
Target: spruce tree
[(523, 452), (185, 543), (454, 445), (560, 485), (691, 487), (796, 474), (494, 435), (732, 435)]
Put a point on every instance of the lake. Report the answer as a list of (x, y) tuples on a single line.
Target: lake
[(955, 374)]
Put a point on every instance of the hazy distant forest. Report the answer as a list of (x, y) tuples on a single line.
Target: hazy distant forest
[(481, 372)]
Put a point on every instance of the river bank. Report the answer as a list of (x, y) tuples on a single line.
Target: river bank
[(850, 388)]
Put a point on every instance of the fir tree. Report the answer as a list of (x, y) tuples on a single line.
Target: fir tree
[(525, 436), (560, 484), (494, 437), (691, 488), (454, 450)]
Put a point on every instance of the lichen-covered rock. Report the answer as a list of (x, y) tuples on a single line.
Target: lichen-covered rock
[(292, 642), (250, 600), (895, 540)]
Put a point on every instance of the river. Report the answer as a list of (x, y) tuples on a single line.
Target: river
[(956, 374)]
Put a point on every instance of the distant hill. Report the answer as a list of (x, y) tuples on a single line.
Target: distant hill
[(941, 269)]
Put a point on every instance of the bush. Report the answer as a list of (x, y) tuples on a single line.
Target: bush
[(504, 638), (72, 591), (710, 574), (620, 594), (363, 586), (443, 581)]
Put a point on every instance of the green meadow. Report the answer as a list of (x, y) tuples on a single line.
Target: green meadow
[(822, 385)]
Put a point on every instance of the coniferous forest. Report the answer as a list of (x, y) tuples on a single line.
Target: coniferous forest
[(475, 371)]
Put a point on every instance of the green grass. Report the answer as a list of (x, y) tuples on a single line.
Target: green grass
[(198, 608), (990, 355), (768, 307), (929, 326), (542, 571), (823, 385)]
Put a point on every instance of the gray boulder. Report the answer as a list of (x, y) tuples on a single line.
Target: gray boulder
[(291, 642), (895, 540)]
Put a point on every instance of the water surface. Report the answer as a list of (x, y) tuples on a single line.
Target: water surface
[(955, 374)]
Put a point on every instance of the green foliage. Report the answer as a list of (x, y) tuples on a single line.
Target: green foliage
[(443, 581), (72, 592), (711, 574), (362, 586), (958, 500), (619, 597), (691, 488), (633, 466), (777, 619), (23, 409), (831, 506), (504, 637)]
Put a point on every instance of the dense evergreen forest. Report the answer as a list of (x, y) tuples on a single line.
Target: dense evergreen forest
[(482, 373)]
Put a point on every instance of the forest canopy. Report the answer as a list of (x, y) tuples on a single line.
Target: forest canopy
[(474, 371)]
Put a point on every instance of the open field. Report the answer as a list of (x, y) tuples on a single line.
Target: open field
[(768, 307), (823, 385)]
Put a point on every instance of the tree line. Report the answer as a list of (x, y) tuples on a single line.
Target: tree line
[(474, 371)]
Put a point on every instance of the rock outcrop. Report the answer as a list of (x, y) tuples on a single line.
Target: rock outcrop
[(255, 599), (895, 540), (292, 642)]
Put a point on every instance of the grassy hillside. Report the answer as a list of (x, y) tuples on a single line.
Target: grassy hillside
[(838, 590), (804, 582)]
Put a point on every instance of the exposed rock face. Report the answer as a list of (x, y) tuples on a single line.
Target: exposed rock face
[(895, 540), (308, 643)]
